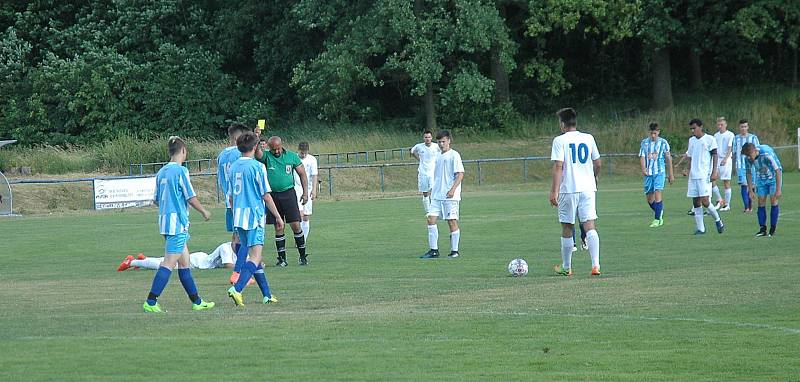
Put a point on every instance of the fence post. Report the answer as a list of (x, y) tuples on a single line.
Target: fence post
[(141, 168), (525, 170), (798, 148), (380, 172), (330, 179), (479, 172), (216, 187)]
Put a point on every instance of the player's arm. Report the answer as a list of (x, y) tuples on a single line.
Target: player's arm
[(668, 160), (642, 162), (267, 198), (558, 169), (313, 185), (199, 207), (596, 164), (749, 175), (714, 164), (414, 153), (301, 171), (727, 156), (688, 169), (456, 183)]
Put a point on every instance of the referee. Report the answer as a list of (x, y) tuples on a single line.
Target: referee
[(281, 164)]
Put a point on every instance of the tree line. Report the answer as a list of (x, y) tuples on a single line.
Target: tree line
[(82, 71)]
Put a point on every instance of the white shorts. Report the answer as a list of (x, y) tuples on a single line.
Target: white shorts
[(444, 209), (304, 209), (725, 171), (698, 188), (424, 182), (583, 202)]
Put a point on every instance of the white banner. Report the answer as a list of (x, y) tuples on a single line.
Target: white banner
[(123, 193)]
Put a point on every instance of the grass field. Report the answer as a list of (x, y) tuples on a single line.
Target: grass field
[(669, 306)]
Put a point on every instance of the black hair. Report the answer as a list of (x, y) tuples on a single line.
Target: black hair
[(247, 141), (175, 145), (654, 126), (441, 134), (302, 146), (236, 129), (568, 116), (696, 122)]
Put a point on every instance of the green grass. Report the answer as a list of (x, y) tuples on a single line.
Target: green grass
[(669, 306)]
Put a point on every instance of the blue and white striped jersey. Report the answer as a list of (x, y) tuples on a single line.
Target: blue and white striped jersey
[(224, 161), (654, 152), (766, 163), (248, 184), (173, 191), (738, 143)]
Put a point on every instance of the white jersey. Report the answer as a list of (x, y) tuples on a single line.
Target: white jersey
[(447, 166), (222, 255), (577, 150), (700, 152), (310, 165), (724, 145), (427, 157)]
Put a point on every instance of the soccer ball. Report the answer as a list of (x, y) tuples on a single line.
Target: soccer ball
[(518, 267)]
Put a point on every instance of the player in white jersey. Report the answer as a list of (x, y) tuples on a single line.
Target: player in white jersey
[(654, 154), (312, 171), (724, 140), (426, 153), (222, 257), (702, 155), (445, 196), (576, 165), (739, 161)]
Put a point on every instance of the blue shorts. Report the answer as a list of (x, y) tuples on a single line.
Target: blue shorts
[(251, 237), (767, 187), (176, 243), (742, 174), (229, 219), (653, 183)]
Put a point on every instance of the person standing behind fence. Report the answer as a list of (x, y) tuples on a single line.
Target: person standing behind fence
[(174, 193), (281, 165), (740, 164), (226, 158), (576, 165), (426, 153), (446, 196), (310, 165), (654, 154)]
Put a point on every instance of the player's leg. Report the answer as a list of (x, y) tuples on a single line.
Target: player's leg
[(434, 213), (261, 277), (587, 213), (305, 217), (648, 192), (727, 198), (567, 205), (451, 215), (173, 248), (424, 185), (147, 263), (761, 193), (715, 191), (774, 211), (299, 241), (693, 192), (712, 210), (187, 281), (280, 239)]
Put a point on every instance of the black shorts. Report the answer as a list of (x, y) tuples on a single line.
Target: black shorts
[(286, 203)]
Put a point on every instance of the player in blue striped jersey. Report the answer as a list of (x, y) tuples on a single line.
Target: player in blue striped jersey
[(768, 182), (226, 158), (654, 154), (739, 161), (248, 192), (174, 193)]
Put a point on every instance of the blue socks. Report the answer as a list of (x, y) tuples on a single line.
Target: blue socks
[(773, 216), (658, 207), (652, 206), (748, 204), (762, 216), (261, 280), (241, 257), (248, 270), (160, 281), (185, 274)]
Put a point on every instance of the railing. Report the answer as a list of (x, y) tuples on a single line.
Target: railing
[(155, 166)]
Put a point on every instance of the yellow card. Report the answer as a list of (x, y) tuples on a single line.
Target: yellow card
[(262, 123)]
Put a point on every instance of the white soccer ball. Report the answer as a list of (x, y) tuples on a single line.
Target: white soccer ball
[(518, 267)]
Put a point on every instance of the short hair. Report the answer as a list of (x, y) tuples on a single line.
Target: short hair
[(696, 121), (442, 133), (427, 131), (261, 139), (654, 126), (748, 148), (175, 145), (722, 119), (741, 121), (247, 141), (568, 116), (236, 129), (302, 146)]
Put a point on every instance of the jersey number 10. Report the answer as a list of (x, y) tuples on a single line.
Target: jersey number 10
[(581, 154)]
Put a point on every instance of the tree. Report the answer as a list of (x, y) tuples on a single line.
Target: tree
[(772, 20)]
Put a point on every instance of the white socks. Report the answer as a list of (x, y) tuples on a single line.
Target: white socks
[(715, 190), (566, 252), (593, 241), (305, 226), (433, 237), (148, 263), (426, 204), (698, 218), (454, 236), (712, 211), (727, 196)]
